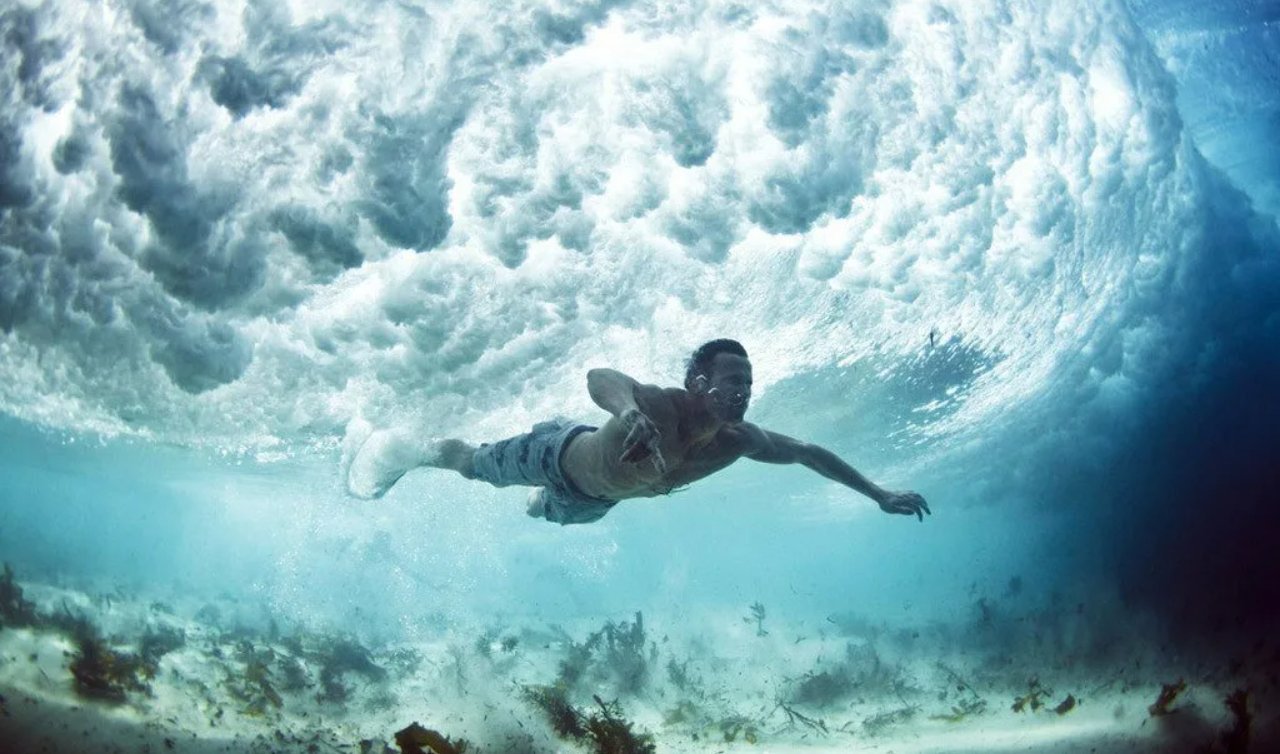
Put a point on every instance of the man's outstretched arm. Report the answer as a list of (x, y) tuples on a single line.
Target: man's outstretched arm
[(621, 396), (771, 447), (612, 391)]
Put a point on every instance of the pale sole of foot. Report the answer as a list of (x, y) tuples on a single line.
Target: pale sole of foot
[(385, 456), (358, 431)]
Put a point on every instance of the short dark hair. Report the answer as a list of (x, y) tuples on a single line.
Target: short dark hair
[(700, 361)]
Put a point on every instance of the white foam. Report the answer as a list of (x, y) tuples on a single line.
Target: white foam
[(528, 202)]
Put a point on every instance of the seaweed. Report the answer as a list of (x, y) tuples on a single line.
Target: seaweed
[(332, 688), (1168, 693), (1236, 739), (339, 657), (757, 614), (684, 712), (15, 610), (1034, 698), (553, 701), (577, 660), (606, 731), (404, 661), (615, 652), (793, 717), (881, 720), (295, 675), (822, 689), (861, 670), (624, 653), (610, 733), (160, 642), (962, 710), (961, 684), (491, 638), (349, 656), (484, 643), (102, 673), (733, 726), (412, 739), (678, 674), (254, 686), (869, 672)]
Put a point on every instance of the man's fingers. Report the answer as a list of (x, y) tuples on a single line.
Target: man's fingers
[(632, 446), (658, 461), (641, 442), (636, 451)]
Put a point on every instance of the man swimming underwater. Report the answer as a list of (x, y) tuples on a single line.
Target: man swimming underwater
[(656, 440)]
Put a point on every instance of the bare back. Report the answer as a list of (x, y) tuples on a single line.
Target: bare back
[(592, 459)]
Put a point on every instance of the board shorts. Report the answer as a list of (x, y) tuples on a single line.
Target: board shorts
[(534, 459)]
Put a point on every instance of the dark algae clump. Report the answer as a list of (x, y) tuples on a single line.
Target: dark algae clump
[(606, 731), (103, 673), (416, 739)]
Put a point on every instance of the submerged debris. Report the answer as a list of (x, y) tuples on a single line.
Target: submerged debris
[(412, 739), (1168, 693), (1067, 705), (757, 614)]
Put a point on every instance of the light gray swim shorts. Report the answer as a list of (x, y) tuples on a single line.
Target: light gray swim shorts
[(534, 459)]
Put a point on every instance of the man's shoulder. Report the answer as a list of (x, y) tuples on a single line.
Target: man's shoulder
[(743, 437), (661, 403), (667, 396)]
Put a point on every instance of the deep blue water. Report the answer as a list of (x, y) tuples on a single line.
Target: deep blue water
[(1022, 258)]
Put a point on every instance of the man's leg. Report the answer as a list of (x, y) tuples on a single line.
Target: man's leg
[(377, 460)]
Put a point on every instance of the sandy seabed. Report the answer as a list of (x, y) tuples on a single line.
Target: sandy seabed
[(1044, 680)]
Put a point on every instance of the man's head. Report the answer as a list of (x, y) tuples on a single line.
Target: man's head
[(720, 373)]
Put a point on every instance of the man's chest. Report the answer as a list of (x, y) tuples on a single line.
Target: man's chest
[(690, 462)]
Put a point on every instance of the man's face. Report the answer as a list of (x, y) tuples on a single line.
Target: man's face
[(729, 387)]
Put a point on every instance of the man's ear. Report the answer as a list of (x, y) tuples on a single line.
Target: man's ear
[(700, 383)]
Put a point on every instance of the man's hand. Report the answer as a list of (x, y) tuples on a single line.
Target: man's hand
[(906, 503), (642, 439)]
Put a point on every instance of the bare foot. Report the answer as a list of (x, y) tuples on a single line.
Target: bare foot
[(358, 430), (537, 505), (384, 457)]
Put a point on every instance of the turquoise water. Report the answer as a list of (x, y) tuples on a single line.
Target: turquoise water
[(1021, 258)]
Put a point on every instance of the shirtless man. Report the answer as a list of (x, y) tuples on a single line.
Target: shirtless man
[(656, 440)]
